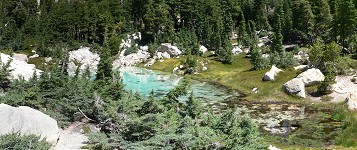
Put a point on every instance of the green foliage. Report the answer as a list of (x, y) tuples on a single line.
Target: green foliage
[(17, 142), (257, 60), (325, 56), (5, 75), (190, 62)]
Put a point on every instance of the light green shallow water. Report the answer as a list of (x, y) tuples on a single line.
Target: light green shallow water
[(143, 81)]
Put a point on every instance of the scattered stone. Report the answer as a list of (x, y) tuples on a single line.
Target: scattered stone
[(311, 77), (204, 68), (270, 75), (301, 67), (255, 90), (175, 70), (181, 66), (266, 55), (48, 59), (21, 57), (35, 56), (295, 86), (161, 60), (26, 121), (271, 147)]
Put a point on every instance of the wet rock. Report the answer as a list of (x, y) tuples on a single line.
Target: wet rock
[(271, 74), (26, 121), (311, 77), (295, 86)]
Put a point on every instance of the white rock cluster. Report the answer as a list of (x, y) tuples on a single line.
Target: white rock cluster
[(20, 68), (84, 57)]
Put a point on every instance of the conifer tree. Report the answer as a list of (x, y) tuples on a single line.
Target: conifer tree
[(345, 20)]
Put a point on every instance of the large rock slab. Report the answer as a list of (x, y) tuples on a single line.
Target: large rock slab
[(20, 69), (271, 74), (311, 77), (295, 86), (26, 120), (172, 50)]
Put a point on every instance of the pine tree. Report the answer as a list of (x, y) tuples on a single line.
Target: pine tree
[(323, 17), (303, 19), (345, 20), (277, 42)]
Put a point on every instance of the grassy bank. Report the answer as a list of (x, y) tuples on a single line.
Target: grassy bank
[(237, 76)]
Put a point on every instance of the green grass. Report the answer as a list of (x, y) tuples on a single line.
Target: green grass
[(238, 76)]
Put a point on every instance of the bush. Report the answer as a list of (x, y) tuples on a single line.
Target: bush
[(14, 141), (257, 60)]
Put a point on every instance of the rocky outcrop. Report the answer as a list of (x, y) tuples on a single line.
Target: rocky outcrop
[(295, 86), (311, 77), (21, 57), (85, 58), (271, 74), (20, 69), (172, 50), (26, 120)]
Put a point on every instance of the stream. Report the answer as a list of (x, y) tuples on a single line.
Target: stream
[(274, 118)]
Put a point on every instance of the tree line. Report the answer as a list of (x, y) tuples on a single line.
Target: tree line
[(25, 24)]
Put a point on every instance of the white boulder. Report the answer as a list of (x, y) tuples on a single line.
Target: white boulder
[(172, 50), (352, 100), (204, 68), (295, 86), (270, 75), (26, 120), (311, 77), (203, 49)]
